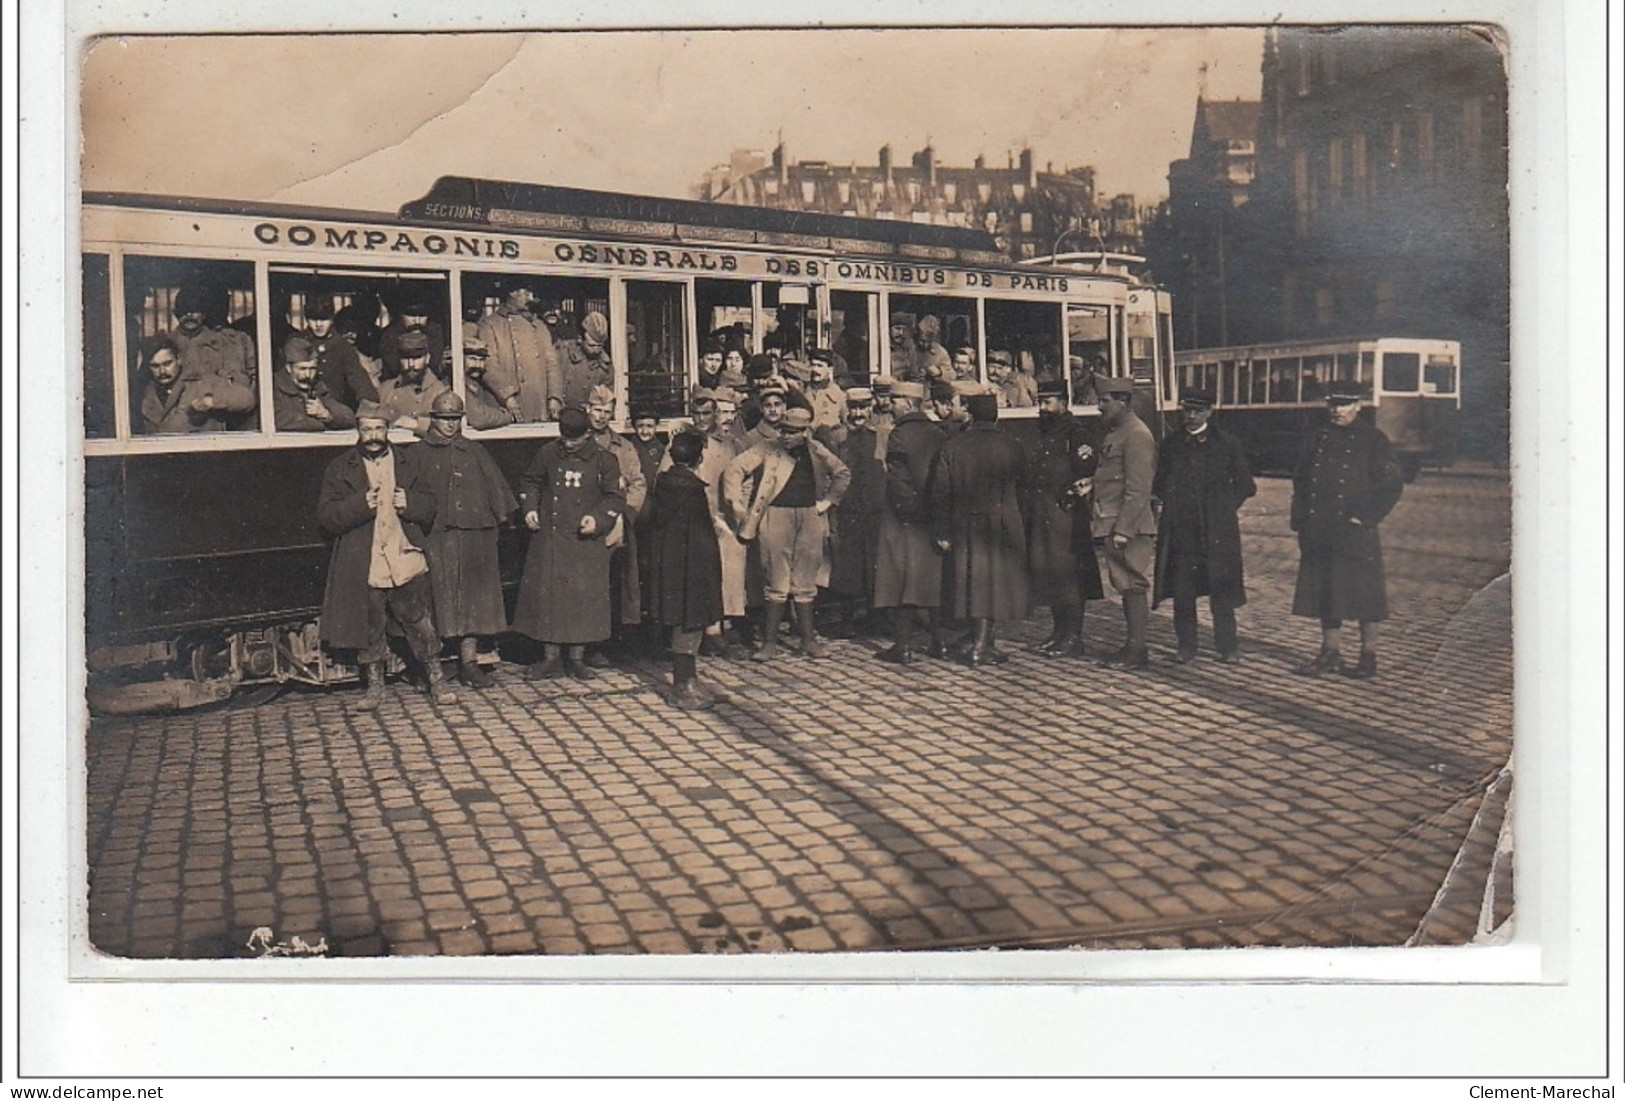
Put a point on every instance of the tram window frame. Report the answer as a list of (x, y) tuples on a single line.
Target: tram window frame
[(1226, 392), (806, 322), (1087, 357), (1283, 380), (679, 372), (739, 333), (100, 398), (959, 308), (569, 295), (1432, 368), (152, 281), (1407, 366), (1259, 388), (292, 287), (849, 373)]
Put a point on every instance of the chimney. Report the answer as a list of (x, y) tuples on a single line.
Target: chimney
[(780, 168), (885, 161), (981, 162), (1028, 171)]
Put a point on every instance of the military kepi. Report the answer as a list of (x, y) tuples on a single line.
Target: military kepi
[(1118, 387), (1052, 388), (1344, 392)]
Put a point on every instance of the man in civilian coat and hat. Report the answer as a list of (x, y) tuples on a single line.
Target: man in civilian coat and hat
[(1345, 485), (908, 566), (1060, 546), (473, 500), (976, 493), (1123, 520), (375, 502), (1202, 480), (571, 498)]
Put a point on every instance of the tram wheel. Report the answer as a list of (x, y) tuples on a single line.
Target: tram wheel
[(255, 694)]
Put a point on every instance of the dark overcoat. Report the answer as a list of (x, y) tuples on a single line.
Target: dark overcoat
[(1060, 549), (685, 561), (1201, 481), (976, 493), (473, 500), (1345, 484), (343, 516), (564, 593), (908, 569), (855, 535)]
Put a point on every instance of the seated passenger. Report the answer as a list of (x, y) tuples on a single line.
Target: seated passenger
[(586, 360), (1014, 389), (407, 399), (178, 400), (300, 400), (964, 363), (485, 410)]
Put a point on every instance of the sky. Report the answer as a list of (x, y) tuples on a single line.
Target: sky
[(369, 121)]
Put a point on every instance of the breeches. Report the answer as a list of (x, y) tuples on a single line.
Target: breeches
[(1129, 567), (791, 541), (407, 606)]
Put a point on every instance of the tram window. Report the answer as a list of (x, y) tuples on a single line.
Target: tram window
[(547, 342), (724, 312), (1401, 372), (96, 304), (1259, 382), (1368, 367), (657, 349), (1088, 348), (922, 330), (1284, 380), (1141, 355), (190, 342), (849, 314), (1317, 372), (1348, 367), (788, 329), (1227, 382), (1439, 375)]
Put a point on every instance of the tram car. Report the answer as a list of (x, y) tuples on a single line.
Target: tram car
[(1271, 395), (203, 563)]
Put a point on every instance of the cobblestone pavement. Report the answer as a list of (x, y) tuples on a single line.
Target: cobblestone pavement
[(846, 804)]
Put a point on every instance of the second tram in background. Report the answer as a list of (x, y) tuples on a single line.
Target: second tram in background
[(1271, 395)]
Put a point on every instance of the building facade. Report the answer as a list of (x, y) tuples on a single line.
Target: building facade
[(1029, 211), (1380, 199)]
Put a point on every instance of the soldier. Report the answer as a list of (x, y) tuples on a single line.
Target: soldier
[(408, 397), (485, 410), (964, 364), (714, 417), (375, 502), (1202, 480), (828, 401), (571, 498), (300, 400), (907, 361), (908, 567), (1015, 389), (587, 365), (414, 316), (213, 352), (1060, 547), (347, 380), (472, 501), (525, 373), (1345, 485), (1123, 520), (795, 481), (932, 357), (976, 493), (855, 526), (685, 563), (176, 400), (651, 452), (626, 591)]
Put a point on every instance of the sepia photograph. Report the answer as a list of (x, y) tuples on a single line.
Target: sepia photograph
[(782, 503)]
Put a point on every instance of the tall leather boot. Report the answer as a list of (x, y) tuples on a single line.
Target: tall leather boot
[(810, 646), (373, 695), (1137, 611), (981, 643), (772, 616), (469, 670), (683, 692), (902, 649), (440, 689)]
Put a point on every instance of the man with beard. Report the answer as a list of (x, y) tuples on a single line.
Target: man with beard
[(300, 400), (216, 355), (908, 567), (1016, 390), (1060, 548), (414, 317), (408, 397), (1202, 480), (828, 401), (932, 357), (794, 482), (374, 504), (907, 362), (347, 380), (473, 500), (1345, 485), (175, 401), (626, 591), (976, 494), (571, 498), (1123, 520)]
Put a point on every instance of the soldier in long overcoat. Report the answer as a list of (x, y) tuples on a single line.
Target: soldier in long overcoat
[(908, 566), (976, 493), (855, 531), (571, 498), (1061, 558), (1202, 480), (626, 591), (685, 560), (525, 372), (1345, 485), (375, 502), (474, 502)]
